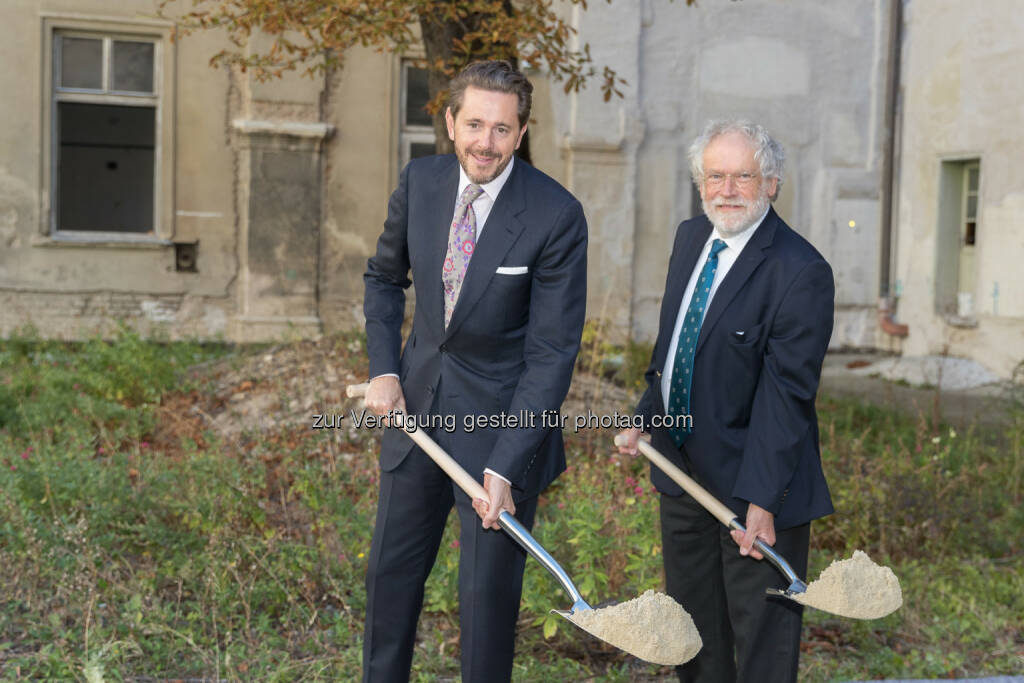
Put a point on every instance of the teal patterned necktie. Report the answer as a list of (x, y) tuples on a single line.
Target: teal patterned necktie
[(682, 368)]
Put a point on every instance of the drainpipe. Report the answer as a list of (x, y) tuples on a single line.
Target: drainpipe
[(885, 300)]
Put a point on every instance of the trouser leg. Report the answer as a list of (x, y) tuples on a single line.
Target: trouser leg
[(767, 629), (693, 577), (490, 585), (748, 636), (415, 499)]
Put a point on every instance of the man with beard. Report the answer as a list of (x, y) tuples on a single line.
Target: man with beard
[(745, 322), (497, 251)]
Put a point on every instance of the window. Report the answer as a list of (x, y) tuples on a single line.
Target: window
[(108, 153), (416, 127), (968, 234), (696, 203), (956, 276)]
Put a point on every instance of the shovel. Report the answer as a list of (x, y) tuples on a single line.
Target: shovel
[(670, 640), (856, 588)]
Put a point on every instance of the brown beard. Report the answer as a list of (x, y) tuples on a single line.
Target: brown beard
[(463, 157)]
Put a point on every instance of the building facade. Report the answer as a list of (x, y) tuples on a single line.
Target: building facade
[(137, 183), (959, 214)]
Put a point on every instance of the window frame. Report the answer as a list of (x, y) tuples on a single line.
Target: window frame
[(967, 275), (161, 99), (951, 194), (409, 134)]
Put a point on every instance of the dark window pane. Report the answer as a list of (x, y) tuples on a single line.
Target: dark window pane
[(105, 176), (133, 66), (696, 203), (972, 179), (969, 233), (81, 63), (421, 149), (416, 97)]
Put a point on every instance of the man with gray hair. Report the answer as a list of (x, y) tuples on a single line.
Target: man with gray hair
[(745, 323)]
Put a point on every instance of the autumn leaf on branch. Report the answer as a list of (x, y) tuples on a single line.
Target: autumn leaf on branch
[(314, 35)]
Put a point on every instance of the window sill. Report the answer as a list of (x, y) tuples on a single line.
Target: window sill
[(103, 240)]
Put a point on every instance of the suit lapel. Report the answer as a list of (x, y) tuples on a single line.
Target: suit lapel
[(500, 232), (690, 246), (738, 275), (431, 294)]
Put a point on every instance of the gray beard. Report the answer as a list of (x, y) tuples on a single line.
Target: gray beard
[(747, 220)]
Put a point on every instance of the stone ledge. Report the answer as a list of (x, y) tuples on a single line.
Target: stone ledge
[(294, 129), (102, 240)]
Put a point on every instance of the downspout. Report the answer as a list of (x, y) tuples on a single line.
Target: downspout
[(885, 299)]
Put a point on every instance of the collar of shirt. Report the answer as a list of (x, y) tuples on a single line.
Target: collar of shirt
[(735, 243), (482, 204), (726, 258)]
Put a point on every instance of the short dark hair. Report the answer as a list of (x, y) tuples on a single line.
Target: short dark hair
[(498, 75)]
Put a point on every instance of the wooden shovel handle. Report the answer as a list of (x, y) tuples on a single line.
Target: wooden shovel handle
[(446, 462), (357, 390), (700, 494)]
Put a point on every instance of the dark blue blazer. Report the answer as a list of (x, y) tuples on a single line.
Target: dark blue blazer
[(513, 337), (756, 372)]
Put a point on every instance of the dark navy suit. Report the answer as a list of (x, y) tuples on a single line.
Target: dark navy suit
[(510, 347), (755, 433)]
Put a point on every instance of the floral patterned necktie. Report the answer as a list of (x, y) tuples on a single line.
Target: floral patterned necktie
[(461, 243)]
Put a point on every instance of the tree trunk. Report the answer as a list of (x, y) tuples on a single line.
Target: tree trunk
[(437, 43), (438, 38)]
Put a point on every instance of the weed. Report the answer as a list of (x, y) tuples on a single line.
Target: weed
[(136, 543)]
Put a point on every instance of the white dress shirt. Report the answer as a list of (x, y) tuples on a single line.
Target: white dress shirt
[(726, 258), (482, 204)]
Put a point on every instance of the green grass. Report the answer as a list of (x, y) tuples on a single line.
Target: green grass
[(134, 543)]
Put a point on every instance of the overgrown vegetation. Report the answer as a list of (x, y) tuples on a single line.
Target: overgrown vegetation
[(137, 543)]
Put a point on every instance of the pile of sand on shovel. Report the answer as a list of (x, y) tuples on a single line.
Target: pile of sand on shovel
[(856, 588), (653, 627)]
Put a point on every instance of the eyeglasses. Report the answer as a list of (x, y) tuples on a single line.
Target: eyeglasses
[(744, 179)]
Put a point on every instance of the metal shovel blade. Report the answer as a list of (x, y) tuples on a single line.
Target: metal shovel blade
[(881, 593), (518, 532), (653, 627)]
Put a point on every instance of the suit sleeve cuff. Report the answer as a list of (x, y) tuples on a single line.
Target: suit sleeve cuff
[(488, 470)]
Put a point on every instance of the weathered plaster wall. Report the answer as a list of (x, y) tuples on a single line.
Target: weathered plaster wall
[(284, 184), (962, 100), (361, 171), (812, 72), (71, 290)]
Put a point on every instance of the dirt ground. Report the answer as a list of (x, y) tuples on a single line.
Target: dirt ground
[(851, 375), (286, 385)]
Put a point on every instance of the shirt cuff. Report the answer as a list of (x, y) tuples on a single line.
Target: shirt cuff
[(384, 374), (488, 470)]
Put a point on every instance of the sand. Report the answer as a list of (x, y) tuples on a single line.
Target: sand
[(856, 588), (653, 627)]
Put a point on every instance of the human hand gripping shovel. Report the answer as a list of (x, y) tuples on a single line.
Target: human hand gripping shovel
[(856, 588), (653, 627)]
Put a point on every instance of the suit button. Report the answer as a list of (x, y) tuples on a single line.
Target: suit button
[(444, 348)]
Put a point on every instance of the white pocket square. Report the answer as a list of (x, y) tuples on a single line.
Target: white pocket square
[(512, 270)]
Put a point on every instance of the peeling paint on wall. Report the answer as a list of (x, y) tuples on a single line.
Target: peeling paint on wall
[(158, 311)]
